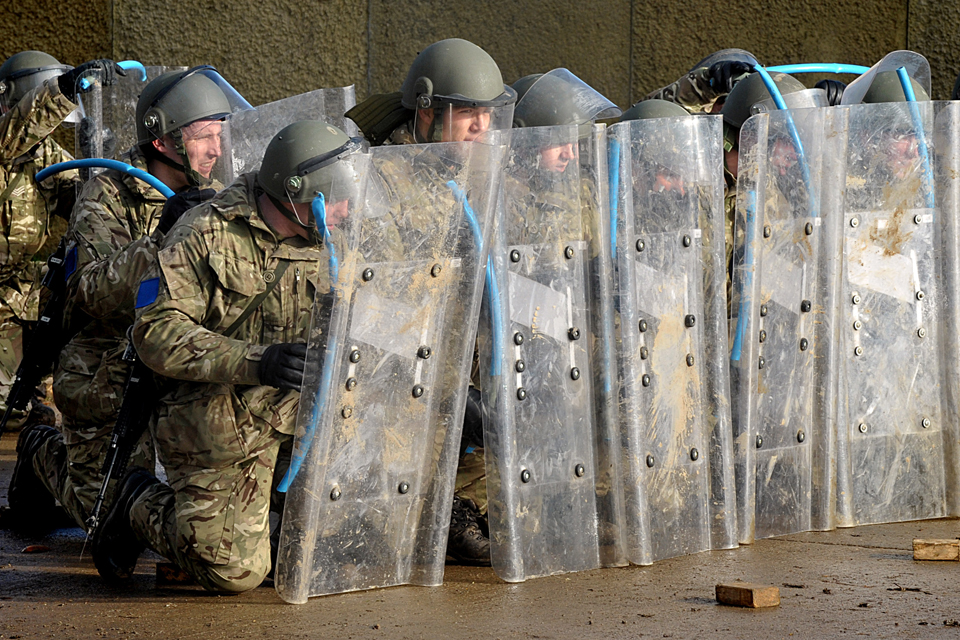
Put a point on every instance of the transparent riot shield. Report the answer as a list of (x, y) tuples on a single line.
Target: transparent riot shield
[(376, 449), (913, 63), (677, 463), (539, 429), (784, 465), (891, 417), (250, 132)]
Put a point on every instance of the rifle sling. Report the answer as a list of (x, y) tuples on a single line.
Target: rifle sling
[(255, 304)]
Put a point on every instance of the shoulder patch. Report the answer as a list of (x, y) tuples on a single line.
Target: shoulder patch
[(147, 293), (70, 263)]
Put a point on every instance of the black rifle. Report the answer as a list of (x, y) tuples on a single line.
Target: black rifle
[(135, 410), (45, 342)]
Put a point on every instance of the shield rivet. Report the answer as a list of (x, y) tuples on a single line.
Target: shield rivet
[(643, 326), (403, 487), (686, 241), (575, 373), (763, 335), (645, 380), (521, 366), (351, 384), (524, 476), (854, 222), (335, 494), (355, 356), (689, 320), (573, 333), (521, 393), (651, 461), (856, 298), (862, 427), (801, 436), (762, 363), (767, 231), (694, 454), (805, 306), (424, 352), (803, 344), (518, 338), (759, 442), (515, 256), (578, 470), (346, 412), (367, 275), (920, 295), (568, 253), (857, 325), (417, 390), (808, 228), (435, 270), (689, 359), (921, 332), (640, 245), (917, 219), (925, 423), (763, 311), (644, 353), (858, 351)]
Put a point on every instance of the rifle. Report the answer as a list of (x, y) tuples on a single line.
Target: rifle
[(45, 342), (131, 423)]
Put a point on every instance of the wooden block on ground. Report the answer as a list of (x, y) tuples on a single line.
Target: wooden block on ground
[(936, 549), (170, 574), (744, 594)]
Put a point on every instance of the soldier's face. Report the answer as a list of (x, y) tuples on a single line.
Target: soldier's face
[(556, 158), (901, 154), (459, 124), (336, 212), (783, 157), (202, 141)]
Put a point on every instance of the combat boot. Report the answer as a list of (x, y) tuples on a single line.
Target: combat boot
[(115, 545), (466, 543), (32, 508)]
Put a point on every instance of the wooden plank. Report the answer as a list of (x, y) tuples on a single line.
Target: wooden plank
[(745, 594), (934, 549)]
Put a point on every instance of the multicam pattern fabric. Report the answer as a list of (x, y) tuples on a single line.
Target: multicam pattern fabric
[(692, 92), (217, 429)]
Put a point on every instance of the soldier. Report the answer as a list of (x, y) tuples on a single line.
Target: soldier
[(703, 88), (37, 93), (113, 235), (453, 92), (224, 312)]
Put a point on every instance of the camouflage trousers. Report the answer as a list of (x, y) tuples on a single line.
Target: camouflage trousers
[(472, 478), (19, 299), (215, 525)]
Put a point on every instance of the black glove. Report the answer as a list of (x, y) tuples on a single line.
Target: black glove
[(281, 365), (834, 90), (723, 75), (109, 70), (180, 204)]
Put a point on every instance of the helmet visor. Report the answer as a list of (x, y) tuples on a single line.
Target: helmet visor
[(449, 121), (235, 103), (16, 85), (559, 98)]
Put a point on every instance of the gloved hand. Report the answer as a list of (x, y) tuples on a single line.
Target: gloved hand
[(281, 365), (834, 90), (109, 70), (180, 204), (724, 74)]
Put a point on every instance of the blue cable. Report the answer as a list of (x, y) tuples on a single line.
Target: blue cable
[(104, 163), (126, 65), (613, 173), (911, 97), (745, 299), (820, 67)]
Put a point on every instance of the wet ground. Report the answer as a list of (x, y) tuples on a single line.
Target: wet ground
[(852, 582)]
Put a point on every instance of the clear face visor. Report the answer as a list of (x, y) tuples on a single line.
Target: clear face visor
[(559, 97), (15, 86), (457, 120)]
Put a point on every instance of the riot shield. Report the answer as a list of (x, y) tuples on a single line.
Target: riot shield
[(677, 464), (891, 417), (913, 63), (778, 325), (378, 435), (539, 430), (250, 132)]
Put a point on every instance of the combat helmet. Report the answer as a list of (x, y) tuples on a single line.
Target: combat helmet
[(650, 109), (886, 87), (559, 98), (25, 71)]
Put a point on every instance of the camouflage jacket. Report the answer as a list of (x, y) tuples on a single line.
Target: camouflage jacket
[(214, 414), (692, 91), (25, 214)]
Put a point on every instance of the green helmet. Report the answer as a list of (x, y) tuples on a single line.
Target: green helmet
[(303, 160), (560, 98), (455, 72), (750, 91), (886, 87), (650, 109), (25, 71)]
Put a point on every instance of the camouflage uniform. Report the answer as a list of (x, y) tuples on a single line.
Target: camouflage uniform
[(692, 92), (110, 241), (25, 215), (217, 429)]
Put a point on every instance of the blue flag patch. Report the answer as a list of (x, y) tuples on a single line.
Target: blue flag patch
[(70, 263), (147, 293)]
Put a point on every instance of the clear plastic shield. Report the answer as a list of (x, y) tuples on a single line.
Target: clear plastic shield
[(539, 429), (891, 424), (783, 459), (370, 503), (915, 65), (668, 205), (251, 131)]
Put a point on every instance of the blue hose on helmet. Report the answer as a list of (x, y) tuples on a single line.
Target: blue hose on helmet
[(911, 97), (820, 67), (103, 163)]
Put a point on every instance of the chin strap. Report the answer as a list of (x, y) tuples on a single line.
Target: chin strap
[(314, 235)]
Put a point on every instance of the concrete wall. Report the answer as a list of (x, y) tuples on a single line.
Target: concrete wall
[(625, 48)]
